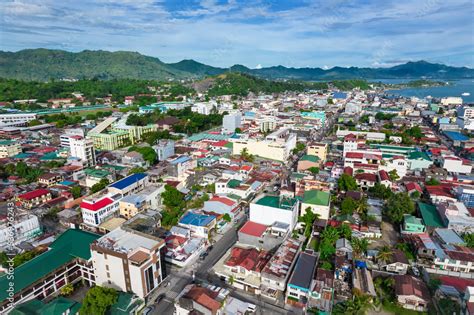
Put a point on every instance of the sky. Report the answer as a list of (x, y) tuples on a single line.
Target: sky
[(260, 33)]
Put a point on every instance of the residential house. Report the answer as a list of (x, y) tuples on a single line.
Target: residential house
[(34, 198), (318, 201), (301, 282), (412, 293), (267, 210)]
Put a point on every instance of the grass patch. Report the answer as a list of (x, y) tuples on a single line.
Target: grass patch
[(396, 309)]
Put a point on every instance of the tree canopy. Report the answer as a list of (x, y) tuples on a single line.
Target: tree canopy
[(98, 300), (397, 206)]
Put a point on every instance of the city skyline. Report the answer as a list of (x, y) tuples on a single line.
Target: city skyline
[(255, 34)]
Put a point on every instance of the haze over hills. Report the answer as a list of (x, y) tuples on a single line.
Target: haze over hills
[(45, 64)]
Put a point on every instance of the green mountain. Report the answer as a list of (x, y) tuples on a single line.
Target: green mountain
[(45, 64)]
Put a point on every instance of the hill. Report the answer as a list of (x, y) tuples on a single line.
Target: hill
[(45, 64)]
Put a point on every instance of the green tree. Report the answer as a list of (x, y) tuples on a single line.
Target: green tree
[(359, 305), (359, 245), (380, 191), (135, 170), (346, 183), (172, 197), (432, 182), (227, 217), (308, 219), (344, 231), (98, 300), (68, 289), (314, 170), (300, 146), (100, 185), (246, 156), (469, 239), (393, 175), (326, 249), (385, 254), (238, 130), (330, 234), (348, 205), (397, 206), (76, 192)]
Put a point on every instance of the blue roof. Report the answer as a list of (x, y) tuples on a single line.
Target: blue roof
[(339, 95), (66, 183), (196, 219), (127, 181), (181, 159), (456, 136)]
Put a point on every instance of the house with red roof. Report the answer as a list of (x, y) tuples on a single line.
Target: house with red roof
[(243, 265), (34, 198), (411, 187), (222, 205), (365, 180), (384, 178), (412, 293)]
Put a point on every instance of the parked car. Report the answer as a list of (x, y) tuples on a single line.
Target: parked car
[(159, 298), (148, 310), (203, 255)]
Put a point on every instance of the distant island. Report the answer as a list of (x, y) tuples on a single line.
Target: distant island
[(45, 64)]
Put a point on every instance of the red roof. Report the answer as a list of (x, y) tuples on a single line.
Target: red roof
[(413, 186), (253, 228), (34, 194), (354, 155), (220, 143), (366, 176), (459, 283), (246, 167), (96, 205), (383, 175), (348, 170)]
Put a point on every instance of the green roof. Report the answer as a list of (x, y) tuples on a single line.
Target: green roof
[(316, 197), (233, 183), (418, 155), (430, 215), (115, 167), (6, 142), (58, 306), (229, 145), (99, 173), (298, 175), (233, 196), (71, 244), (49, 156), (311, 158), (410, 219), (275, 202), (124, 304)]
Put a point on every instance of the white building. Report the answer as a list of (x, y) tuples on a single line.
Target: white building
[(267, 210), (454, 164), (16, 119), (276, 146), (202, 108), (23, 229), (9, 148), (68, 133), (451, 101), (128, 261), (131, 184), (231, 122), (83, 149), (99, 208), (164, 149)]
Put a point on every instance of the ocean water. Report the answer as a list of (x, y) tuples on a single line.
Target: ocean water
[(455, 88)]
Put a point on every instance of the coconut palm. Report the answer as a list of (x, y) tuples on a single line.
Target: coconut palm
[(385, 254), (359, 245), (330, 234)]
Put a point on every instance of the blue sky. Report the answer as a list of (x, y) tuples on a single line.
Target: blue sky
[(374, 33)]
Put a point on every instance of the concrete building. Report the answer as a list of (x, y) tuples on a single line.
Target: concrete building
[(83, 149), (9, 148), (164, 149), (130, 205), (276, 146), (202, 108), (267, 210), (65, 138), (299, 286), (24, 228), (319, 202), (99, 207), (9, 120), (454, 164), (318, 149), (34, 198), (129, 261), (230, 122), (129, 185), (412, 293)]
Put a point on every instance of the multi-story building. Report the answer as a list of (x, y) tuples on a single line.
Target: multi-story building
[(180, 166), (49, 179), (9, 148), (24, 228), (131, 184), (99, 207), (454, 164), (202, 108), (164, 149), (299, 286), (318, 149), (318, 202), (230, 122), (130, 205), (276, 146), (34, 198), (16, 119), (65, 138), (267, 210), (466, 195), (130, 261), (83, 149), (68, 260)]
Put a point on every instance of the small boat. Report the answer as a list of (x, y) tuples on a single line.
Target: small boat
[(466, 94)]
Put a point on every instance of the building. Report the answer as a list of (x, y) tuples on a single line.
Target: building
[(231, 122), (318, 201), (466, 195), (451, 101), (9, 148), (398, 263), (199, 224), (24, 228), (129, 261), (164, 149), (180, 165), (300, 285), (276, 146), (318, 149), (34, 198), (130, 205), (412, 293), (277, 271), (308, 161), (129, 185), (16, 119), (50, 179), (65, 138), (99, 207), (202, 108), (67, 260), (454, 164), (412, 225), (267, 210)]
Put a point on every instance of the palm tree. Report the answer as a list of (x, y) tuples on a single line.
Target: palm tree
[(361, 206), (385, 254), (360, 304), (359, 245), (330, 234)]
